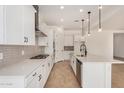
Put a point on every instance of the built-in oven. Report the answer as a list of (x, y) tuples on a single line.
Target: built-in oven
[(78, 70)]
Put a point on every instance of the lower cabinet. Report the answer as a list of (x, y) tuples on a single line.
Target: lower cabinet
[(35, 79), (40, 75), (73, 64)]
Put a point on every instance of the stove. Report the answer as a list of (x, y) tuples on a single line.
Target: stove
[(41, 56)]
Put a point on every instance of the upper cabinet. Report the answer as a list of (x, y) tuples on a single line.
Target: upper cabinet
[(68, 40), (29, 25), (18, 25), (1, 25), (79, 38), (13, 24)]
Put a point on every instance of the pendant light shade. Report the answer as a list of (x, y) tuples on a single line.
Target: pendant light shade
[(82, 26), (89, 23), (100, 25)]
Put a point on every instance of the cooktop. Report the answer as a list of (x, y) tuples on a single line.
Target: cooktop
[(41, 56)]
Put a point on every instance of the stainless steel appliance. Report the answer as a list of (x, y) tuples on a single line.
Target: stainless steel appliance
[(78, 70)]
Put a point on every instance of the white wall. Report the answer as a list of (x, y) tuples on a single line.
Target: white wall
[(101, 43), (119, 45)]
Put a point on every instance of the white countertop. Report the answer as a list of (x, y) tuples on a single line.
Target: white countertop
[(22, 68), (95, 58)]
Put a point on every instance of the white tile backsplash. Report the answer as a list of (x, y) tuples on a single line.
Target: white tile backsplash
[(12, 54)]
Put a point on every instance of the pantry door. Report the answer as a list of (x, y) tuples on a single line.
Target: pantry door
[(59, 46)]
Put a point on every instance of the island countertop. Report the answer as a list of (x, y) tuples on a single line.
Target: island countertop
[(96, 58)]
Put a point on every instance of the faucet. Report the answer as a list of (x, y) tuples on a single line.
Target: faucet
[(83, 49)]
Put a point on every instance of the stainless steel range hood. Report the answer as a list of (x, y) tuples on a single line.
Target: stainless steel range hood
[(37, 29)]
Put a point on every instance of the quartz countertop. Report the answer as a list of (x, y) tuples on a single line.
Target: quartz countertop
[(96, 58), (21, 68)]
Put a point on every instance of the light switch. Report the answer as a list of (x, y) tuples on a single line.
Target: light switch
[(1, 56), (23, 52)]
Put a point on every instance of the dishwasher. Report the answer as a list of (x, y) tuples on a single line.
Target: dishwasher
[(78, 70)]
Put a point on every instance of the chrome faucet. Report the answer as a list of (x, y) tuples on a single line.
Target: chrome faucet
[(83, 49)]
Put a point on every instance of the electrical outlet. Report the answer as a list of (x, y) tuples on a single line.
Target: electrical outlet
[(23, 52), (1, 56)]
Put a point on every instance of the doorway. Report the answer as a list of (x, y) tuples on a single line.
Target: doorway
[(118, 54)]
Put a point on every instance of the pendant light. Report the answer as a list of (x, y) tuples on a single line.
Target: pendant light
[(82, 26), (89, 23), (100, 26), (82, 29)]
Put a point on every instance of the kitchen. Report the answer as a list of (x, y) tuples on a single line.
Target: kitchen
[(40, 46)]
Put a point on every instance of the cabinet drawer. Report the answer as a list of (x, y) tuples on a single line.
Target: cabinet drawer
[(12, 82), (32, 76)]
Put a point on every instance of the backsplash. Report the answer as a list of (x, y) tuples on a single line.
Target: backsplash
[(12, 54)]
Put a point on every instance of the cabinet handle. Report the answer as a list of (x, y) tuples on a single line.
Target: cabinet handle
[(48, 64), (34, 74), (40, 76), (25, 40)]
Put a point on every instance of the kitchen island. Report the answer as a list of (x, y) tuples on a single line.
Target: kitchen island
[(95, 71)]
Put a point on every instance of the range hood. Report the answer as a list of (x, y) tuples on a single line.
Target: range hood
[(37, 30)]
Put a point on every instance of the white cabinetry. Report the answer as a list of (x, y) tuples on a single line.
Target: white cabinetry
[(29, 25), (79, 38), (18, 24), (32, 74), (68, 40), (96, 75), (36, 78), (1, 25), (59, 44), (13, 24), (73, 64)]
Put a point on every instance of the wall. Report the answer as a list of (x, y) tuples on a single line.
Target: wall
[(100, 43), (119, 45), (12, 54)]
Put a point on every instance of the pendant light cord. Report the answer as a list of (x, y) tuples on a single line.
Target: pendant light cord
[(89, 22), (99, 17), (82, 26)]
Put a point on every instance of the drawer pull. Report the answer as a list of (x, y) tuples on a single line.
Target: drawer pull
[(49, 64), (34, 74), (40, 76)]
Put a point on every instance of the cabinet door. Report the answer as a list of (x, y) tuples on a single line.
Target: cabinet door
[(59, 46), (44, 75), (1, 25), (34, 83), (29, 25), (13, 24), (68, 40)]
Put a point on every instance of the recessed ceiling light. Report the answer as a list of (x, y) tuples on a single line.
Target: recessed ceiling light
[(61, 7), (61, 19), (81, 10)]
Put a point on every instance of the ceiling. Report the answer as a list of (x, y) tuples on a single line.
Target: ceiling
[(112, 16)]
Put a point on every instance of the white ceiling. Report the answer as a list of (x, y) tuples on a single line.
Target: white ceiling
[(112, 16)]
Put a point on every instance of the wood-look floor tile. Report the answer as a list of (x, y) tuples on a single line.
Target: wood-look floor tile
[(62, 76)]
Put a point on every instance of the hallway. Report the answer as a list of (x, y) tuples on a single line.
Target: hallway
[(62, 76)]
